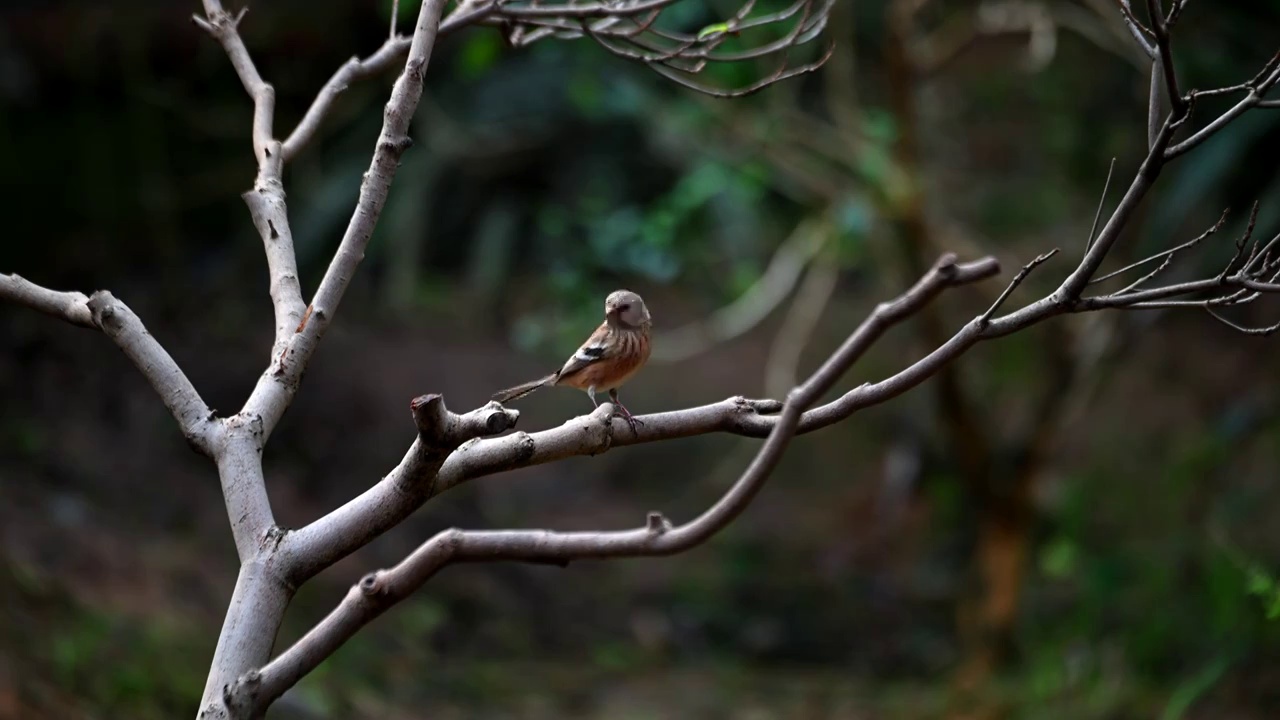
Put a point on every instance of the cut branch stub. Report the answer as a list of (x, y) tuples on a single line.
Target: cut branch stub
[(441, 429)]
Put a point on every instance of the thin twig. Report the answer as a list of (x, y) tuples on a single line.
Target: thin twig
[(1136, 29), (1241, 243), (1013, 285), (1260, 331), (1167, 254), (1097, 214)]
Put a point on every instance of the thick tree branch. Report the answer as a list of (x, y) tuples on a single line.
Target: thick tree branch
[(312, 548), (601, 431), (104, 312), (378, 591), (277, 386), (244, 488), (424, 472), (248, 633), (257, 607), (270, 215)]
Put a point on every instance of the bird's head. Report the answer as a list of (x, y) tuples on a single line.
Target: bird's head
[(624, 308)]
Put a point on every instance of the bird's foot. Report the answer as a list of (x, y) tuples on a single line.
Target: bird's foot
[(632, 421)]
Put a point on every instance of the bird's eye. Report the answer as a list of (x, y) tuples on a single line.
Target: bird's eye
[(624, 307)]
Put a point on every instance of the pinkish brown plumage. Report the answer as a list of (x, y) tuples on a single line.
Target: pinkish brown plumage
[(613, 354)]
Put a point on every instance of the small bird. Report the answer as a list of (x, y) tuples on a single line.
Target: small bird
[(613, 353)]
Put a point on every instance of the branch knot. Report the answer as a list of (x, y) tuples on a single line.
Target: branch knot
[(657, 523)]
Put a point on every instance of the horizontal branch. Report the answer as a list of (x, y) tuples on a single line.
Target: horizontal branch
[(104, 312), (379, 590)]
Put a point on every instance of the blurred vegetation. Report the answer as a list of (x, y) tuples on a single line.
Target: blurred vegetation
[(540, 179)]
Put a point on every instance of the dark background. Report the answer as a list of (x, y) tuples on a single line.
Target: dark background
[(540, 180)]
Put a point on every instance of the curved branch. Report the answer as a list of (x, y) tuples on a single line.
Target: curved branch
[(423, 474), (104, 312), (379, 590)]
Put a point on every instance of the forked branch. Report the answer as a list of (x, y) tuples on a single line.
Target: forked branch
[(380, 590)]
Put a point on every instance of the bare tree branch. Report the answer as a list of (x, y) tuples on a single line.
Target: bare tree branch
[(1164, 55), (271, 218), (1141, 35), (1102, 200), (630, 30), (1013, 284), (263, 588), (224, 27), (378, 591), (70, 306), (354, 70), (276, 388), (1168, 256), (266, 200), (597, 433), (1257, 89), (312, 548), (452, 448), (104, 312)]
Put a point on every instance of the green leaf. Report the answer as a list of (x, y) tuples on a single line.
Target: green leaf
[(715, 29)]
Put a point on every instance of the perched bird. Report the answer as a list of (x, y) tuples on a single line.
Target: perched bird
[(613, 353)]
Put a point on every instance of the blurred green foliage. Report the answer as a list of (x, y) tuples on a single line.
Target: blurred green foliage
[(541, 179)]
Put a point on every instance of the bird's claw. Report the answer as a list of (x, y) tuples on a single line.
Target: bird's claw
[(632, 421)]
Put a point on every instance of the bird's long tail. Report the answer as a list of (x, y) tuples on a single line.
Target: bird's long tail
[(520, 391)]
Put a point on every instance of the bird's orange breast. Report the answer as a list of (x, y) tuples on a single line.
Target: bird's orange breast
[(612, 371)]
